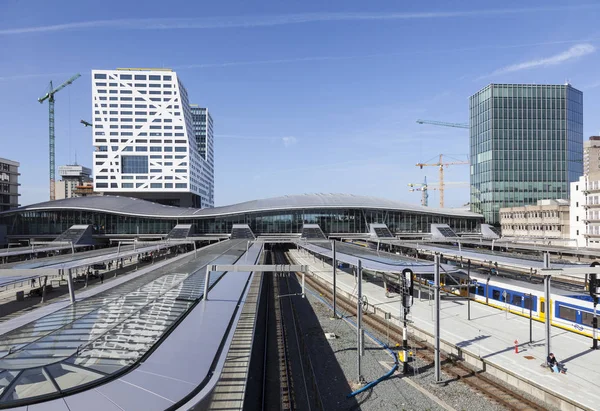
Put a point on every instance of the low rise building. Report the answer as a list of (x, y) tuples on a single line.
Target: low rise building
[(547, 221), (9, 184), (72, 176)]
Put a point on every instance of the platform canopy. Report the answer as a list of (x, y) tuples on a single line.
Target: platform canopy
[(380, 263)]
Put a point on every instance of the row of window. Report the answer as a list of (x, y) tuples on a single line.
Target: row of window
[(138, 185), (151, 77), (136, 85), (104, 98)]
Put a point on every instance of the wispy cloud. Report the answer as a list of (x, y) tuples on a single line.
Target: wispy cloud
[(574, 52), (30, 76), (274, 20), (286, 140), (289, 141)]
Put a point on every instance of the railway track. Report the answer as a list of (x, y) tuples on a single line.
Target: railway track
[(304, 389), (453, 367)]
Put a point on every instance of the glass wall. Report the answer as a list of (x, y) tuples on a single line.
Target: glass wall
[(354, 220)]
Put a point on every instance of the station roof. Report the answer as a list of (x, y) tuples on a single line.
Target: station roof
[(138, 207), (99, 338)]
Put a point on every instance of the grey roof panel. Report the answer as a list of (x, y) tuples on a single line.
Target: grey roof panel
[(54, 405), (171, 388), (131, 397), (134, 206), (90, 400)]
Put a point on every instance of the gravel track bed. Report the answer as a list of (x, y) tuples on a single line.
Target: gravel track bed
[(392, 394)]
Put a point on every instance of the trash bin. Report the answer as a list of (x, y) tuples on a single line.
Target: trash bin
[(20, 295)]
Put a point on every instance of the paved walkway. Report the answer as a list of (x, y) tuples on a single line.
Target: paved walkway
[(490, 334)]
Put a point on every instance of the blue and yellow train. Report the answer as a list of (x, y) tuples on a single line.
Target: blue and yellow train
[(569, 310)]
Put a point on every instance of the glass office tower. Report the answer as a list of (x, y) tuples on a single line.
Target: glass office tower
[(526, 145), (203, 130)]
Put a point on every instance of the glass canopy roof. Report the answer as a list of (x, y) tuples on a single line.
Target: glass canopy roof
[(96, 337)]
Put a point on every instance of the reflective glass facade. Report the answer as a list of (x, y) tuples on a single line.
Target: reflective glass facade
[(331, 220), (526, 145)]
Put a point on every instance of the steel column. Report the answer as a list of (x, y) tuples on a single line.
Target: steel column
[(334, 280), (436, 287), (547, 309), (70, 284), (359, 331)]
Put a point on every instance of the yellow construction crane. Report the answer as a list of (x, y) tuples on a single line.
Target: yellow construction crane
[(50, 97), (441, 166)]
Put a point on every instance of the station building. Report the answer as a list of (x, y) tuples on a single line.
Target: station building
[(335, 214)]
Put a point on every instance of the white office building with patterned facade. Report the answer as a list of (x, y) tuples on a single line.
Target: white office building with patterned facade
[(144, 140)]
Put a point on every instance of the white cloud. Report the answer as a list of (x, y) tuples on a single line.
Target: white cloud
[(266, 21), (574, 52), (289, 141)]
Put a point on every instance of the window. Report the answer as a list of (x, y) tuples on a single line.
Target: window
[(155, 170), (567, 313), (134, 164), (169, 149), (125, 77), (153, 78), (181, 149), (517, 299), (141, 148), (155, 149), (99, 76), (167, 78), (180, 185), (168, 185), (101, 185), (140, 77), (586, 318), (155, 185), (496, 294)]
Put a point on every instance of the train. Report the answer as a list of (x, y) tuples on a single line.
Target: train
[(571, 311)]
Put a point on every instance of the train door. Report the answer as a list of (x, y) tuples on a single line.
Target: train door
[(542, 308)]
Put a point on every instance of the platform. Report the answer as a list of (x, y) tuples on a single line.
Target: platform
[(490, 336)]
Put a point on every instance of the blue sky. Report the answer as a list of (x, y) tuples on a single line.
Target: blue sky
[(307, 96)]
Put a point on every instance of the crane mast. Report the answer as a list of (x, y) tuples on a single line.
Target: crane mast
[(50, 97)]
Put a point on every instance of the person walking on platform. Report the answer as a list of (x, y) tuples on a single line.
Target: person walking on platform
[(101, 278), (554, 365)]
